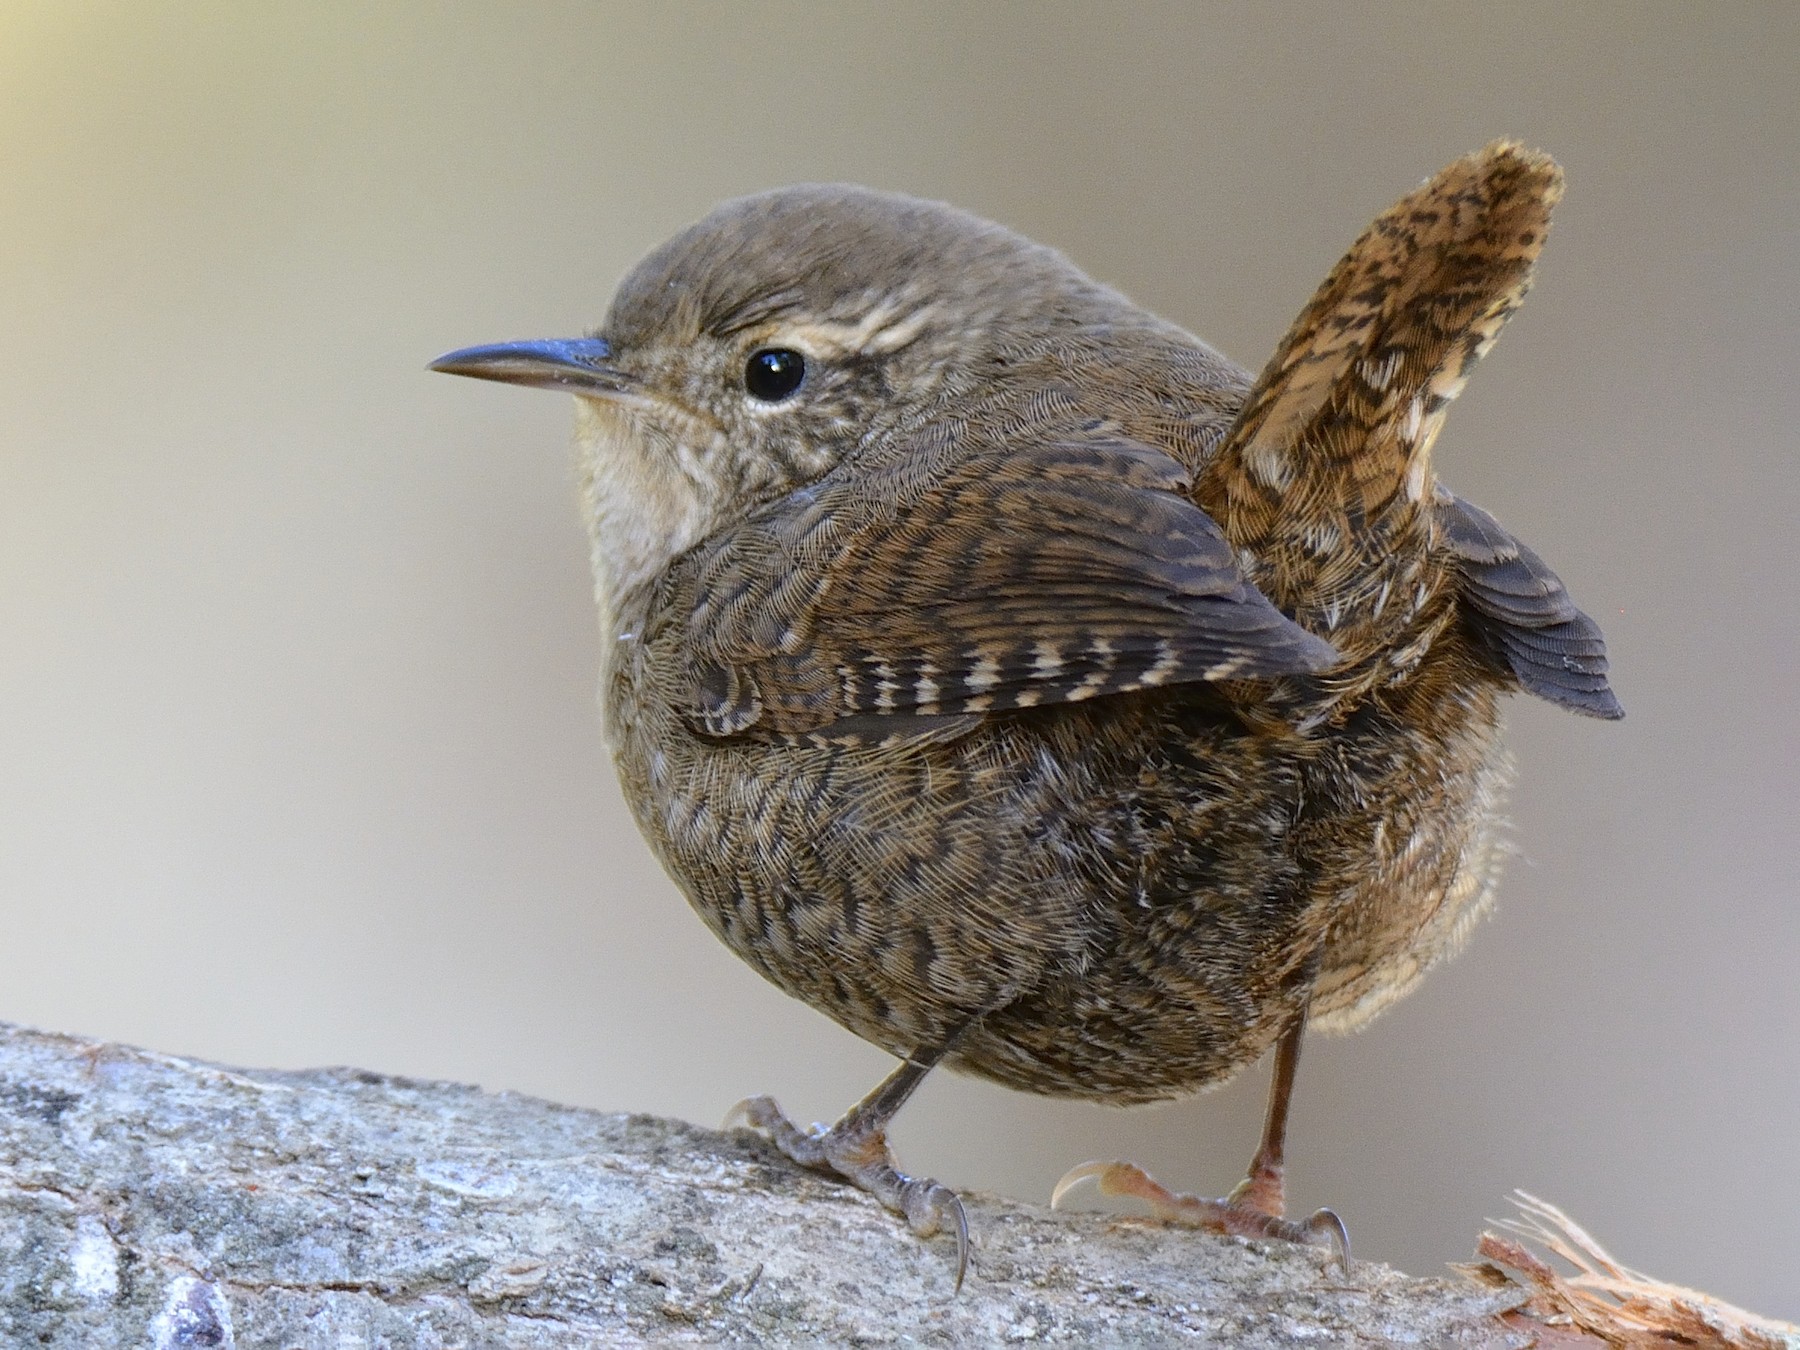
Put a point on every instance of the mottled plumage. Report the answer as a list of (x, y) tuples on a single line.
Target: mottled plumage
[(1028, 688)]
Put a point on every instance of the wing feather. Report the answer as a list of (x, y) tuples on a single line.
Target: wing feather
[(1523, 615), (975, 576)]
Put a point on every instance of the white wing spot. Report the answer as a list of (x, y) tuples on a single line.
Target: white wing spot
[(1165, 664), (886, 686), (983, 675)]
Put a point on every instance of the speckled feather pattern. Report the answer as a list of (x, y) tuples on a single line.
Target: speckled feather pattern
[(1047, 674)]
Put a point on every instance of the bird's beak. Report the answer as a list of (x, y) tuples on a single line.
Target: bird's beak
[(573, 365)]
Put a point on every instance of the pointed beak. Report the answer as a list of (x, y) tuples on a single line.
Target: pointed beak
[(573, 365)]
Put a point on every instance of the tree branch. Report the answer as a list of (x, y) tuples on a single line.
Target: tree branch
[(149, 1200)]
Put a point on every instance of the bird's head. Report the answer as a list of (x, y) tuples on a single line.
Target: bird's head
[(757, 348)]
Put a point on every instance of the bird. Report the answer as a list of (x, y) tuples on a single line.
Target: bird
[(1003, 672)]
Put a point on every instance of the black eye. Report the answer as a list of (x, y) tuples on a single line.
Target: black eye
[(773, 373)]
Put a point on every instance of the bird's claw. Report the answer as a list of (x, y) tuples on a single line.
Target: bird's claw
[(763, 1115), (930, 1208), (1100, 1173), (858, 1153), (738, 1117), (1321, 1229), (1324, 1223)]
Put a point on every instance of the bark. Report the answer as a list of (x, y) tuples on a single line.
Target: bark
[(147, 1200)]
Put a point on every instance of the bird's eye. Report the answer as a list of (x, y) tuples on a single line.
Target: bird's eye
[(774, 373)]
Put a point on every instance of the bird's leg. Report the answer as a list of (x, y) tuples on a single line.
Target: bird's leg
[(1263, 1188), (856, 1149), (1256, 1207)]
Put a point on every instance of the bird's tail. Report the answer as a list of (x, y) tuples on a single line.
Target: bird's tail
[(1329, 464)]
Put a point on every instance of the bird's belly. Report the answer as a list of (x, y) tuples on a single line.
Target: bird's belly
[(1113, 896), (1203, 914), (899, 892), (1407, 856)]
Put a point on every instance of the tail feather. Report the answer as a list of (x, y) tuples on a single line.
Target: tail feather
[(1336, 435)]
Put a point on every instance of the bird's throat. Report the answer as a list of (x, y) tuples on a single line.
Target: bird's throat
[(642, 499)]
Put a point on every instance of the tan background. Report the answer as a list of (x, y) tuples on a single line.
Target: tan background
[(299, 760)]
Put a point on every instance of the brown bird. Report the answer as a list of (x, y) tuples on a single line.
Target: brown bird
[(1003, 672)]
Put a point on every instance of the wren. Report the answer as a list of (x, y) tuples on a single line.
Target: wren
[(1011, 677)]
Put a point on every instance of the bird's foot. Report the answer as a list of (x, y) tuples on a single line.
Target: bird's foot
[(857, 1150), (1254, 1209)]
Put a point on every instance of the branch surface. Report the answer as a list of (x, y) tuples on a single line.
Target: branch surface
[(147, 1200)]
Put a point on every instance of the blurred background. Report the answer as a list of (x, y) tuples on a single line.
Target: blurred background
[(299, 754)]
